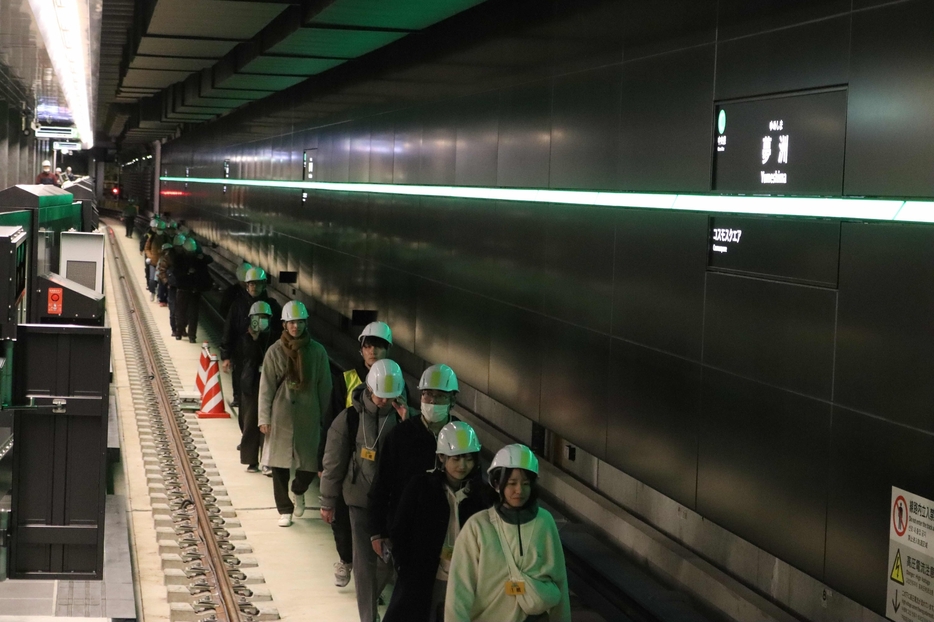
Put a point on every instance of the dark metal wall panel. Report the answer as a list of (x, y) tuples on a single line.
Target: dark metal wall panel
[(654, 402), (868, 456), (666, 122), (777, 333), (407, 146), (516, 347), (524, 143), (477, 138), (886, 297), (574, 388), (437, 154), (738, 18), (578, 265), (585, 129), (658, 280), (812, 55), (760, 450), (891, 59)]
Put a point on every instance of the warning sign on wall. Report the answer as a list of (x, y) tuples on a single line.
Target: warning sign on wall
[(910, 573)]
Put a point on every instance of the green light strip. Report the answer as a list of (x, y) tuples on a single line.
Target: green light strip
[(858, 209)]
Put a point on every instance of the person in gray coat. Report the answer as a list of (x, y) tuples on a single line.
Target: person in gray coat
[(354, 443), (294, 391)]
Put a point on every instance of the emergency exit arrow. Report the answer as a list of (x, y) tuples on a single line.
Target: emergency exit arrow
[(895, 602)]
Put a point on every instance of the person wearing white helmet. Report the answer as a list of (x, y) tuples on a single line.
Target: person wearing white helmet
[(236, 290), (237, 320), (356, 441), (375, 344), (294, 390), (261, 332), (431, 512), (46, 177), (508, 563), (410, 449), (192, 278)]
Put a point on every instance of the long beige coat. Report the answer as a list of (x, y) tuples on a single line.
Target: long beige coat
[(293, 417)]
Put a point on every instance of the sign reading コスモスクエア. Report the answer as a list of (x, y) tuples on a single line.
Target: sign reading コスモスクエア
[(910, 572)]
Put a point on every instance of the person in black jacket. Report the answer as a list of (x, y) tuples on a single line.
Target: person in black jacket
[(235, 326), (410, 450), (192, 277), (427, 520), (258, 336)]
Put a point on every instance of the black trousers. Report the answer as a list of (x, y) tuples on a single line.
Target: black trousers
[(236, 369), (130, 225), (343, 537), (251, 439), (171, 300), (280, 487), (187, 305)]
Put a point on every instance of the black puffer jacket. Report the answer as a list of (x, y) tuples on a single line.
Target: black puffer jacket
[(418, 530), (238, 320), (409, 451)]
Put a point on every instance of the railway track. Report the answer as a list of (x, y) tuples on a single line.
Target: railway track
[(216, 584)]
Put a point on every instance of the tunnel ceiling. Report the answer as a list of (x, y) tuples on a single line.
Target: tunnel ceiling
[(166, 63)]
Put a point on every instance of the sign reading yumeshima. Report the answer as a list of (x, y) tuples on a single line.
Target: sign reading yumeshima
[(910, 572), (791, 144)]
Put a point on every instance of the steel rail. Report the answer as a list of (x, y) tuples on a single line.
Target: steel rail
[(213, 556)]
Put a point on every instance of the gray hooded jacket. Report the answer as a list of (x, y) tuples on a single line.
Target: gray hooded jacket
[(345, 470)]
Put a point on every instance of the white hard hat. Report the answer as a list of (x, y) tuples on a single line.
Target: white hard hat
[(294, 310), (385, 379), (260, 308), (254, 274), (46, 163), (515, 457), (439, 378), (457, 438), (242, 270), (380, 330), (154, 223)]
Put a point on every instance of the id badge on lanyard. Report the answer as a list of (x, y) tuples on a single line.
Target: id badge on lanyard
[(515, 588), (368, 454)]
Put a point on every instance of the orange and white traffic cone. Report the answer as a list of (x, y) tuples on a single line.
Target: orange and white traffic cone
[(212, 401), (203, 368)]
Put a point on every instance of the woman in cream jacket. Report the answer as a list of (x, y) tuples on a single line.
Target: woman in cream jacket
[(508, 563)]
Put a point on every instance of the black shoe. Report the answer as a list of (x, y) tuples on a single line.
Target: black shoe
[(238, 447), (235, 404), (253, 468), (178, 337)]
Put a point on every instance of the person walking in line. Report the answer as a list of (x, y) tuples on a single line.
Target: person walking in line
[(170, 258), (47, 178), (355, 442), (192, 278), (256, 340), (235, 326), (153, 250), (410, 450), (431, 512), (375, 344), (129, 217), (508, 563), (235, 291), (294, 389)]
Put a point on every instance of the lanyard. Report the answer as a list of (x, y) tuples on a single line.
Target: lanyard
[(378, 434)]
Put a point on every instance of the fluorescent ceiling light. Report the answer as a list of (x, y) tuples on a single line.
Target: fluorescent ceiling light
[(64, 30), (834, 207)]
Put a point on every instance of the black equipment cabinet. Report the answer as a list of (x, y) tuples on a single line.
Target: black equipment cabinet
[(59, 460)]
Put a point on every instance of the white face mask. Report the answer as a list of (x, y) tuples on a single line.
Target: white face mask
[(435, 413), (260, 323)]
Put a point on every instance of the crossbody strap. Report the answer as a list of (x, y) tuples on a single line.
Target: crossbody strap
[(515, 573)]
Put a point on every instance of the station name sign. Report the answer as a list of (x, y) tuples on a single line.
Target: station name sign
[(791, 144)]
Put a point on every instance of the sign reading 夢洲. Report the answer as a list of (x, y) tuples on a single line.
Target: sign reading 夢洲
[(910, 572), (790, 144)]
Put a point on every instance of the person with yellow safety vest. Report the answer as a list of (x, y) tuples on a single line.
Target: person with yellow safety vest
[(375, 343), (410, 450), (425, 526), (508, 562), (355, 443)]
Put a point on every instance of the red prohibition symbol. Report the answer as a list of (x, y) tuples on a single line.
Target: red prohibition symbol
[(900, 515)]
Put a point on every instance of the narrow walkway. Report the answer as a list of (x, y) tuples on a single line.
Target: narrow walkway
[(296, 562)]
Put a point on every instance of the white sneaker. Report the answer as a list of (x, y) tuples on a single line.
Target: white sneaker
[(299, 501), (285, 520), (342, 573), (267, 471), (152, 296)]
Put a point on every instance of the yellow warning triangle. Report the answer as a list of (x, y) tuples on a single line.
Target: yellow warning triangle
[(897, 575)]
